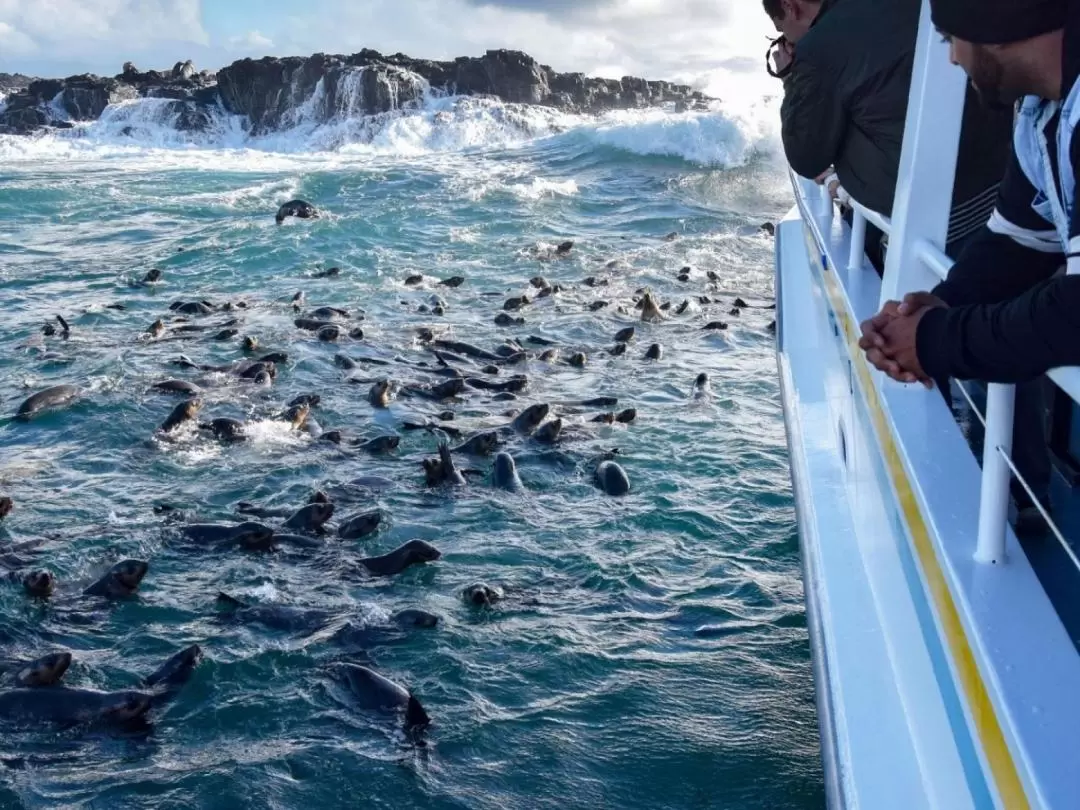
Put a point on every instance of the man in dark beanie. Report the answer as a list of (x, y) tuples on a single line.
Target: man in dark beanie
[(999, 316)]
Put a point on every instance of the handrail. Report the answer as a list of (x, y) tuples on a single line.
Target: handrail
[(997, 464)]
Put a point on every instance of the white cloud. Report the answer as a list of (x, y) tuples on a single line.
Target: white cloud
[(701, 41), (253, 42)]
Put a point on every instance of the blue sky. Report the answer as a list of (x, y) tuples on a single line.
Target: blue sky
[(672, 39)]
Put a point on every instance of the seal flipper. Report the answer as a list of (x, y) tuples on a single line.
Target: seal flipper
[(415, 716), (229, 601)]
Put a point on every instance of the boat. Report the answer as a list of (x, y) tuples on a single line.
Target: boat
[(944, 650)]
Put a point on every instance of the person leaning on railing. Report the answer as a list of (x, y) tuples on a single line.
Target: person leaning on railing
[(999, 316), (846, 67)]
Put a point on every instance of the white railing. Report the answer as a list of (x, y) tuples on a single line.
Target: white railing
[(997, 463)]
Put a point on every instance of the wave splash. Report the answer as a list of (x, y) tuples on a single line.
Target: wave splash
[(332, 121)]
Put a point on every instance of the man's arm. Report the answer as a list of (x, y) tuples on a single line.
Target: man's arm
[(1015, 251), (1011, 342), (813, 119)]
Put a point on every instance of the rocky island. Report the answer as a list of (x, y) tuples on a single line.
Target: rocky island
[(267, 92)]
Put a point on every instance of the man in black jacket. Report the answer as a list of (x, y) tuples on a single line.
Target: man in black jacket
[(845, 104), (999, 316)]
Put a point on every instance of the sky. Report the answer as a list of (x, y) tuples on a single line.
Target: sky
[(716, 45)]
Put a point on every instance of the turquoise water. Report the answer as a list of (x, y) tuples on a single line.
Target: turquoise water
[(652, 650)]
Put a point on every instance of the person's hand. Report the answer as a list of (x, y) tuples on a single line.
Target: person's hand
[(899, 336), (783, 55), (915, 301), (873, 339)]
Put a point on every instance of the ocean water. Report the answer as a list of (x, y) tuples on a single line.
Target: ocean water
[(651, 650)]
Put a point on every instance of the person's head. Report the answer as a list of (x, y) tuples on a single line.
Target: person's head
[(792, 18), (1005, 46)]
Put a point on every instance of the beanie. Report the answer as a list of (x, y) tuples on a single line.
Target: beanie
[(998, 22)]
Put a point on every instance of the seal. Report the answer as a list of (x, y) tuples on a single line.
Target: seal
[(549, 432), (685, 305), (600, 402), (297, 415), (466, 349), (654, 352), (330, 334), (274, 358), (714, 326), (152, 277), (625, 335), (184, 412), (225, 429), (701, 386), (650, 311), (482, 444), (311, 324), (39, 584), (48, 670), (618, 350), (504, 474), (514, 384), (360, 525), (444, 390), (453, 281), (577, 360), (178, 387), (611, 478), (156, 329), (506, 319), (311, 518), (54, 397), (192, 307), (345, 362), (412, 553), (74, 706), (442, 470), (249, 344), (380, 444), (627, 416), (249, 536), (296, 208), (311, 400), (482, 595), (329, 313), (330, 272), (530, 418), (596, 306), (379, 395), (6, 505), (226, 334), (174, 673), (413, 280), (122, 580), (516, 303), (285, 618), (376, 693), (604, 418)]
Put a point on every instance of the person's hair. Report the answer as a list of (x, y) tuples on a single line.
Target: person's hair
[(775, 8)]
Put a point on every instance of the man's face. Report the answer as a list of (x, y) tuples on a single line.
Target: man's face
[(988, 68), (796, 19)]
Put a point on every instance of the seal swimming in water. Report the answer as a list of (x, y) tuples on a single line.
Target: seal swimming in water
[(48, 670), (73, 706), (654, 352), (311, 518), (444, 390), (6, 505), (504, 474), (412, 553), (297, 415), (442, 470), (611, 478), (627, 416), (578, 359), (506, 319), (482, 595), (701, 386), (296, 208), (225, 429), (530, 418), (377, 693), (175, 672), (380, 444), (466, 349), (548, 433), (53, 397), (250, 536), (39, 584), (120, 581), (618, 350), (286, 618), (714, 326), (361, 525), (178, 387), (482, 444), (514, 384), (625, 335), (650, 311), (379, 395), (184, 412)]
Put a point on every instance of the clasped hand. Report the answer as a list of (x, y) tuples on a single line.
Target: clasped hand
[(889, 337)]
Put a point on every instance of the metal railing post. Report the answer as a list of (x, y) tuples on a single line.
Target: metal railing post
[(826, 202), (857, 257), (994, 498)]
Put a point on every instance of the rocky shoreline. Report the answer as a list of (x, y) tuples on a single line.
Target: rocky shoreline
[(270, 91)]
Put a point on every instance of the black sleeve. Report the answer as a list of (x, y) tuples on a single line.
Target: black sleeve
[(1011, 342), (1016, 250), (813, 119)]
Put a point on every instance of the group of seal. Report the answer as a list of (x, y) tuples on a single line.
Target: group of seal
[(425, 379)]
